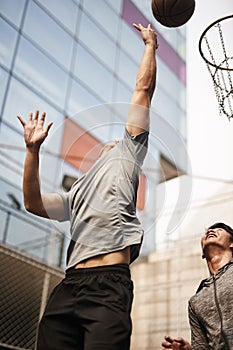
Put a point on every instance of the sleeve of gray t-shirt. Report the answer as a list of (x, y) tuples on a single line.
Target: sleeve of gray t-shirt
[(65, 198), (138, 145), (198, 337)]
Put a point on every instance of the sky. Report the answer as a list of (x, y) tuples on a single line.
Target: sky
[(210, 136)]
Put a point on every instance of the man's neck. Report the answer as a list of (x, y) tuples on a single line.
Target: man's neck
[(218, 260)]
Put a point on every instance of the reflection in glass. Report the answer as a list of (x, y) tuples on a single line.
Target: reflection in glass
[(80, 99), (35, 69), (104, 15), (7, 43), (65, 11), (127, 70), (21, 101), (97, 41), (129, 41), (116, 5), (122, 93), (93, 74), (45, 32), (11, 157), (3, 80), (12, 10)]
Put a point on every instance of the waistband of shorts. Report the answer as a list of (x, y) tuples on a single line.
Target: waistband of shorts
[(115, 268)]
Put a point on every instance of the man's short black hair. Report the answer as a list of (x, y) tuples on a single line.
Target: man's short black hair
[(223, 226)]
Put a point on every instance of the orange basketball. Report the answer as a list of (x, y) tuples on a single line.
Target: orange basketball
[(172, 13)]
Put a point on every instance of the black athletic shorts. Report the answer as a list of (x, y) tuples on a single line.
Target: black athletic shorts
[(89, 310)]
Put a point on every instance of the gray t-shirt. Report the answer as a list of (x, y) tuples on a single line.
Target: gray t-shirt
[(102, 203), (211, 313)]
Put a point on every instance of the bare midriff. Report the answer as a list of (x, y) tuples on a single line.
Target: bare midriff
[(118, 257)]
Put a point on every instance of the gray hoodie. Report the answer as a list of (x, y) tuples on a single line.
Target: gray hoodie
[(211, 312)]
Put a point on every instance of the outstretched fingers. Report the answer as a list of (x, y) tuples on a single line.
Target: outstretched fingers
[(148, 33), (42, 119), (33, 121), (21, 120), (138, 26), (167, 344), (35, 117), (48, 127)]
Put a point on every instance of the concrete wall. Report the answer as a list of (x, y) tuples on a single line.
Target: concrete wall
[(163, 284)]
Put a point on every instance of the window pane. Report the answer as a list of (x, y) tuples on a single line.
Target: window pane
[(80, 99), (7, 43), (13, 10), (173, 37), (11, 156), (127, 70), (129, 41), (3, 80), (21, 101), (65, 11), (122, 93), (93, 74), (175, 89), (116, 5), (104, 15), (167, 107), (98, 42), (45, 32), (38, 71), (90, 113), (24, 102)]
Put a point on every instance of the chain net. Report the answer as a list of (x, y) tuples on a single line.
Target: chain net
[(25, 285), (216, 48)]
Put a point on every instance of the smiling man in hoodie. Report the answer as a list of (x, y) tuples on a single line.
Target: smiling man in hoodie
[(210, 309)]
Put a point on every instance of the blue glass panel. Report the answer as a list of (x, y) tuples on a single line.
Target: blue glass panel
[(116, 5), (45, 32), (34, 68), (104, 15), (127, 70), (93, 74), (3, 80), (131, 42), (21, 100), (7, 43), (65, 11), (12, 10), (97, 41), (25, 101), (122, 93), (80, 99), (175, 90)]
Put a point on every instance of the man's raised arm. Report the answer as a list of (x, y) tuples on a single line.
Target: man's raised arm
[(139, 118), (49, 206)]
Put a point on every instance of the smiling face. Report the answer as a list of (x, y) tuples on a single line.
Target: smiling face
[(216, 237)]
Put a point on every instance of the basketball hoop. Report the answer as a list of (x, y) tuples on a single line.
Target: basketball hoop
[(216, 48)]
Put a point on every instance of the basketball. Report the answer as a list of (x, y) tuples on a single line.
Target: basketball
[(172, 13)]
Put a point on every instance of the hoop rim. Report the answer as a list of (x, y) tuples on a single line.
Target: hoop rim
[(201, 38)]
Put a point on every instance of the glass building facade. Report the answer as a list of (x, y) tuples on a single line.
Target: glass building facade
[(77, 60)]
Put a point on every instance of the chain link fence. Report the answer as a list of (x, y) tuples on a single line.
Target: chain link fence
[(25, 284)]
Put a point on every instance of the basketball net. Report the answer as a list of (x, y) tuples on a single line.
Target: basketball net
[(216, 48)]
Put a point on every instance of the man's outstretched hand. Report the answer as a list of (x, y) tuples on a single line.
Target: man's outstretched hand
[(149, 35), (175, 343), (34, 131)]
